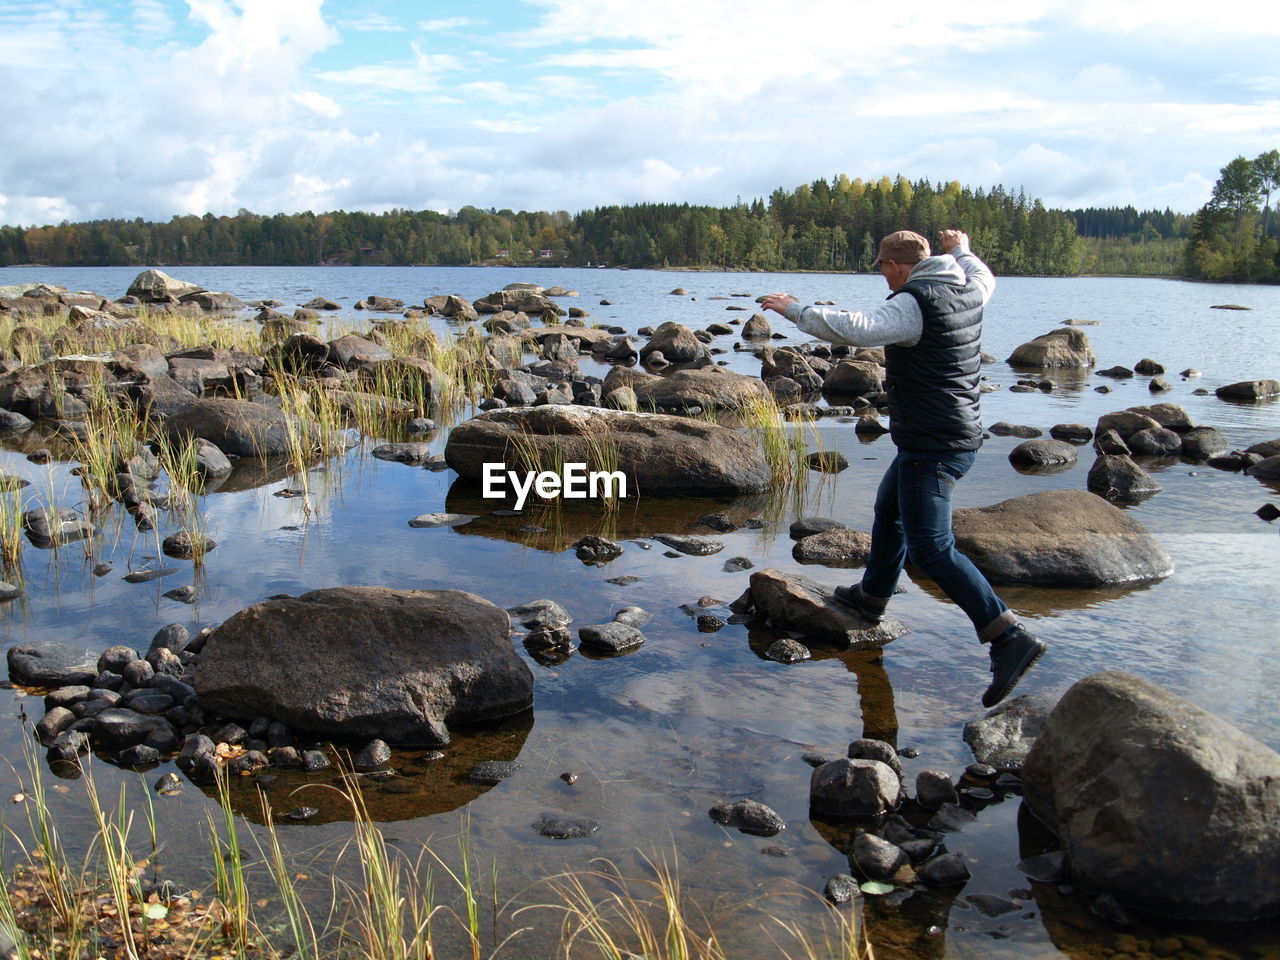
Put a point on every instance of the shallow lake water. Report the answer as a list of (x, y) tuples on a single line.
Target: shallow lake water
[(689, 719)]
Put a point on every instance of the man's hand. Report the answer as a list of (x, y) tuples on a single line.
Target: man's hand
[(778, 302), (950, 239)]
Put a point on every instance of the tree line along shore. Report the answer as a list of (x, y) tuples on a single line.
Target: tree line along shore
[(820, 226)]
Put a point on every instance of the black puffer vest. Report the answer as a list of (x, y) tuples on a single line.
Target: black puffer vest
[(933, 386)]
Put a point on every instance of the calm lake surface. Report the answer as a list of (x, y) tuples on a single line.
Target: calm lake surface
[(689, 719)]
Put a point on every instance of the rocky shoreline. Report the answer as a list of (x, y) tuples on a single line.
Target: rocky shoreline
[(231, 699)]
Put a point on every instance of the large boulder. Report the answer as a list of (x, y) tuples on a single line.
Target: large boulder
[(1157, 802), (214, 302), (792, 364), (660, 455), (708, 387), (1117, 477), (1069, 537), (237, 427), (152, 286), (519, 301), (451, 305), (804, 606), (854, 378), (362, 662), (1064, 348), (352, 351), (1267, 469), (676, 342)]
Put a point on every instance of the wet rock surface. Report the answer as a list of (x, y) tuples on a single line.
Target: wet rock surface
[(1003, 737), (1060, 537), (659, 454), (1147, 792), (797, 603), (306, 662)]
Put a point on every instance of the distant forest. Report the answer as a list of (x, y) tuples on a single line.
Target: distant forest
[(823, 226)]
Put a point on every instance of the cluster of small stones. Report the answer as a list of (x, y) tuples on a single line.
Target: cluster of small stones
[(900, 840), (139, 711), (550, 642)]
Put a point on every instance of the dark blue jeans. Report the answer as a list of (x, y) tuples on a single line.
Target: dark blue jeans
[(913, 522)]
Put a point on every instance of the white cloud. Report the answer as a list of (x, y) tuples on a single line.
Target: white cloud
[(1104, 82), (318, 103), (448, 23), (498, 91), (512, 125), (420, 75), (151, 18), (372, 23)]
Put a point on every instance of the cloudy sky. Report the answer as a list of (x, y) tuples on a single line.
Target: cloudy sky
[(127, 108)]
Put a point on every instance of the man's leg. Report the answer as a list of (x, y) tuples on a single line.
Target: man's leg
[(925, 488), (927, 482), (888, 553)]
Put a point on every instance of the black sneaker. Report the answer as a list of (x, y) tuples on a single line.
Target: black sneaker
[(1012, 654), (853, 598)]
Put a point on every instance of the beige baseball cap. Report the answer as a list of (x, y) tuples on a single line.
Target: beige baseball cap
[(902, 246)]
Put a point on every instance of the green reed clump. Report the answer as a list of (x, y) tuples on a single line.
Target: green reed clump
[(181, 466), (13, 503), (463, 365), (783, 450)]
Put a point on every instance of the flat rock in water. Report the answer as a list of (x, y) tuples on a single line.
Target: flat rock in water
[(1069, 537), (411, 453), (1249, 391), (146, 576), (1002, 429), (1157, 802), (837, 547), (1043, 453), (431, 520), (749, 816), (562, 826), (1002, 738), (613, 637), (51, 664), (539, 613), (797, 603), (808, 526), (596, 550), (308, 663), (692, 545), (493, 771)]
